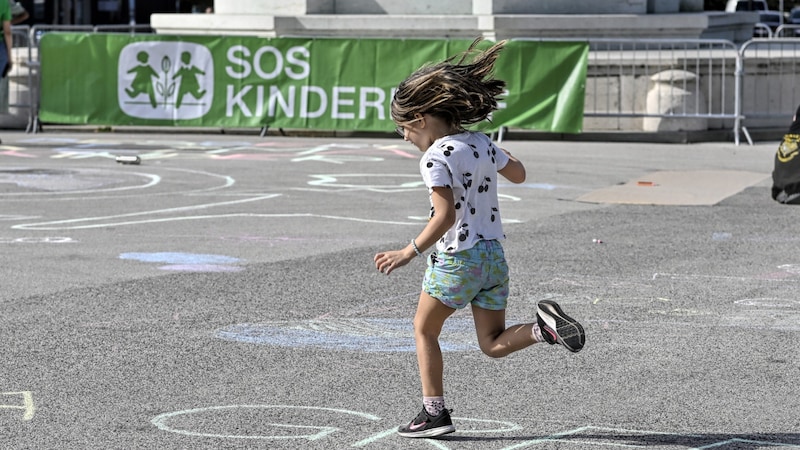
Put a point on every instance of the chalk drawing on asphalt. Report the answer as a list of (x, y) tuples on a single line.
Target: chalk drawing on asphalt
[(316, 424), (290, 422), (352, 334), (137, 218), (39, 182), (25, 403), (147, 150), (37, 240), (187, 262), (255, 422), (367, 182)]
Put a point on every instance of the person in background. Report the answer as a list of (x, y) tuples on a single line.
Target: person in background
[(786, 174), (5, 50), (18, 12)]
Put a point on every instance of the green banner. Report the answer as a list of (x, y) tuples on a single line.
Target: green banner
[(293, 83)]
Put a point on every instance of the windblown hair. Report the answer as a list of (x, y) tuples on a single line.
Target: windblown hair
[(457, 92)]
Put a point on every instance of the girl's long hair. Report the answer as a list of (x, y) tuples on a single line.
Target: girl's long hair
[(457, 92)]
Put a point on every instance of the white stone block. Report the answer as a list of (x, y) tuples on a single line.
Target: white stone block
[(559, 7), (274, 7)]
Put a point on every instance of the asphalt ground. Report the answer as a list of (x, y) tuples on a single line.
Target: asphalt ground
[(221, 294)]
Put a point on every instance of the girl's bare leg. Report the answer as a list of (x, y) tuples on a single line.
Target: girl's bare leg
[(428, 322), (494, 338)]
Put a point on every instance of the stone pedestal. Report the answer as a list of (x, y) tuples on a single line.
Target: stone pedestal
[(493, 19), (480, 7), (415, 7)]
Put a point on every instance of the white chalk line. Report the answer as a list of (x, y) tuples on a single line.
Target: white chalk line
[(679, 276), (316, 432), (161, 420), (52, 224), (49, 226), (154, 180)]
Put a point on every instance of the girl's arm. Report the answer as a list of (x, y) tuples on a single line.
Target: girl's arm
[(514, 171), (442, 220)]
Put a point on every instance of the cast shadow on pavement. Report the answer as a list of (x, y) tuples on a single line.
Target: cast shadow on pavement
[(596, 436)]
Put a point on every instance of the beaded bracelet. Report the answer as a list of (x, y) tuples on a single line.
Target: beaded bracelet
[(416, 249)]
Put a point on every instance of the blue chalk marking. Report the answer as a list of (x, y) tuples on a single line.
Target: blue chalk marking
[(201, 268), (366, 335), (180, 258)]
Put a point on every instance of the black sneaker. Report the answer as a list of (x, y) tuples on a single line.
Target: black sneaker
[(427, 426), (558, 327)]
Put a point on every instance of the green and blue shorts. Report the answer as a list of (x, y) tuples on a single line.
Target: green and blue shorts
[(478, 276)]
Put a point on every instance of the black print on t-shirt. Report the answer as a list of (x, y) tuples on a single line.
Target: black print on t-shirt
[(475, 151), (463, 233), (466, 180), (458, 204), (484, 187)]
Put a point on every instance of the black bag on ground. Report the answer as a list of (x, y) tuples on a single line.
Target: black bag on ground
[(786, 174)]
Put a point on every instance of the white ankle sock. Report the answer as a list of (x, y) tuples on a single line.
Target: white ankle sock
[(433, 405), (536, 332)]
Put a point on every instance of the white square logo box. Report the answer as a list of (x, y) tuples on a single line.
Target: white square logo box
[(165, 80)]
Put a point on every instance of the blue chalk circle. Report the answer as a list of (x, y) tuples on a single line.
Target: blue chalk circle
[(364, 335)]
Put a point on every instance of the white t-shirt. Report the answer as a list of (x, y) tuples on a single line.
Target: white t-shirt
[(467, 163)]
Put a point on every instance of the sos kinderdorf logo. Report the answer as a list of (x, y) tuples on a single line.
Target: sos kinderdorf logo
[(165, 80)]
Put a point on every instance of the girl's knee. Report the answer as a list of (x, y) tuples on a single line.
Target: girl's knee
[(493, 352), (421, 330)]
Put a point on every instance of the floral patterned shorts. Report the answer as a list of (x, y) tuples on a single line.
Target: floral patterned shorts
[(477, 276)]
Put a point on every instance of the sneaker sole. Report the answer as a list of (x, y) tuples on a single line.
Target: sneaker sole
[(433, 432), (569, 332)]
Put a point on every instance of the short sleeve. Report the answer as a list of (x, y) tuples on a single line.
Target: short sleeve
[(435, 171), (499, 156)]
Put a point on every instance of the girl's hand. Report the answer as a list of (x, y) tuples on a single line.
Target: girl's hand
[(445, 217), (386, 262)]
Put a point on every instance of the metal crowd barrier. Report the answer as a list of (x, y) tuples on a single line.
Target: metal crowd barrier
[(660, 84), (132, 29), (787, 30), (770, 81)]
